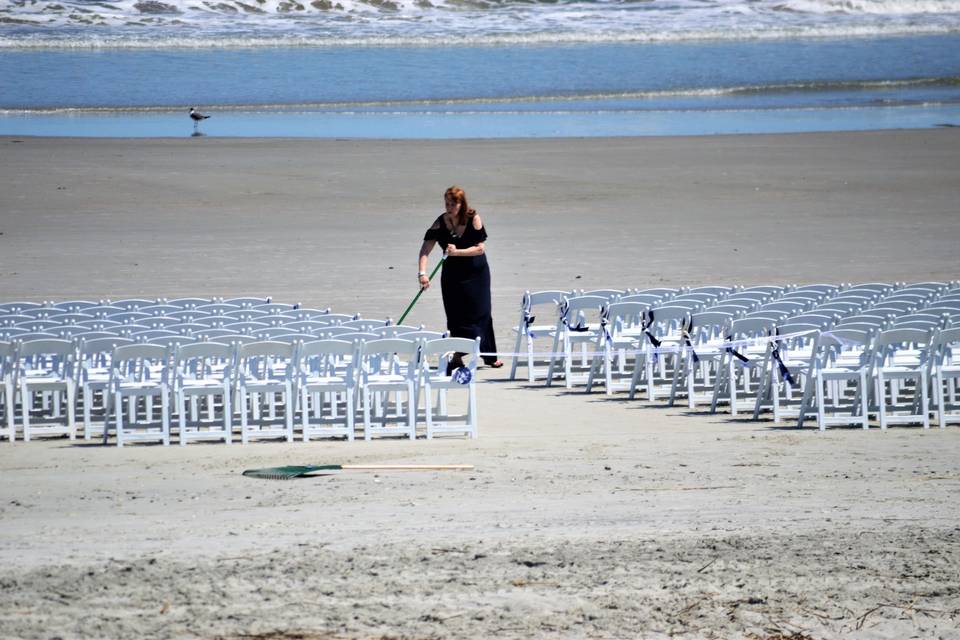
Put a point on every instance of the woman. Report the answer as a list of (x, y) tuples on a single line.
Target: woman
[(465, 281)]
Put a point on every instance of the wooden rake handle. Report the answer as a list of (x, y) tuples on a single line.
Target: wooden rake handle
[(407, 467)]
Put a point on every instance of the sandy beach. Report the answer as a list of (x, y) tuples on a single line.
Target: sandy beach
[(585, 517)]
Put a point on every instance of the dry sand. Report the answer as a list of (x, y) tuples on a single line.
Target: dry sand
[(585, 517)]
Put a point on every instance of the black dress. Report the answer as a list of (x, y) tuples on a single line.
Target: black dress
[(465, 283)]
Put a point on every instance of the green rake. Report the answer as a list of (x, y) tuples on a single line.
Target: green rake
[(420, 293), (297, 471)]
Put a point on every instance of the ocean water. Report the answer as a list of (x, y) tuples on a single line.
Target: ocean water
[(476, 68)]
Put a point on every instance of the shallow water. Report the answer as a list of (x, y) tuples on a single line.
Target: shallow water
[(491, 69)]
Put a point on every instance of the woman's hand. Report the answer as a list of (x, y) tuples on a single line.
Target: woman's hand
[(451, 250), (424, 282)]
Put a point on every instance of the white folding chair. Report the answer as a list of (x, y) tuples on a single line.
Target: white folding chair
[(660, 356), (95, 371), (140, 371), (327, 371), (542, 303), (265, 369), (900, 357), (204, 371), (45, 366), (840, 357), (787, 369), (388, 370), (578, 326), (700, 357), (440, 352), (740, 373), (619, 341), (945, 365)]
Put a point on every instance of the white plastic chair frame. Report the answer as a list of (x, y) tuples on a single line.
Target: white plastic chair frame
[(945, 374), (787, 370), (438, 417), (46, 366), (699, 365), (900, 356), (578, 325), (327, 380), (663, 327), (389, 368), (840, 356), (204, 370), (622, 332), (140, 371), (531, 305), (741, 371), (265, 369), (94, 377)]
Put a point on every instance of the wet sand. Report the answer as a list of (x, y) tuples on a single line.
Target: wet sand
[(585, 516)]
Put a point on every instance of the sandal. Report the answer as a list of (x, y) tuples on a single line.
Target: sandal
[(496, 364)]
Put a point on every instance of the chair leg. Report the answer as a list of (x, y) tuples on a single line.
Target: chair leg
[(227, 415), (366, 414), (882, 399), (118, 403), (26, 399), (924, 399), (821, 417), (288, 403), (244, 431), (351, 413), (939, 397), (864, 402), (165, 417), (516, 349), (71, 394), (181, 417)]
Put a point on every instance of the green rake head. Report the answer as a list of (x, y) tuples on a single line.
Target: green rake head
[(290, 472)]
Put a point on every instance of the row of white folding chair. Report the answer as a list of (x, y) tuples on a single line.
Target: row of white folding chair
[(143, 371), (790, 303), (879, 365), (277, 316), (158, 309), (539, 303)]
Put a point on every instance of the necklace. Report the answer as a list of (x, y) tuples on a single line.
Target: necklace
[(453, 230)]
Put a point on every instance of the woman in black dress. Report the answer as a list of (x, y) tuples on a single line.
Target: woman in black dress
[(465, 280)]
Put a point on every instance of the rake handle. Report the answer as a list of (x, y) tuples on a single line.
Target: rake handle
[(407, 467), (419, 293)]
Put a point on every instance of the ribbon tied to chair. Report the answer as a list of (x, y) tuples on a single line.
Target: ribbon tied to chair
[(647, 321), (784, 370), (527, 323), (744, 360), (685, 328)]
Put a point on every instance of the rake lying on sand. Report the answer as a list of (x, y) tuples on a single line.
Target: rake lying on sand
[(295, 471)]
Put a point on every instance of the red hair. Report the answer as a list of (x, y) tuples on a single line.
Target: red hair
[(458, 195)]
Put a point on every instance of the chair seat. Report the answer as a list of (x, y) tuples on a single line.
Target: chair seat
[(141, 384), (386, 378), (896, 370), (200, 383), (324, 380), (43, 379)]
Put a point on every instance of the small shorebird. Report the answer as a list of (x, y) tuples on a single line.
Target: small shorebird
[(197, 117)]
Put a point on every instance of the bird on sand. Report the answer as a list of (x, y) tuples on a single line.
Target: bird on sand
[(196, 116)]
